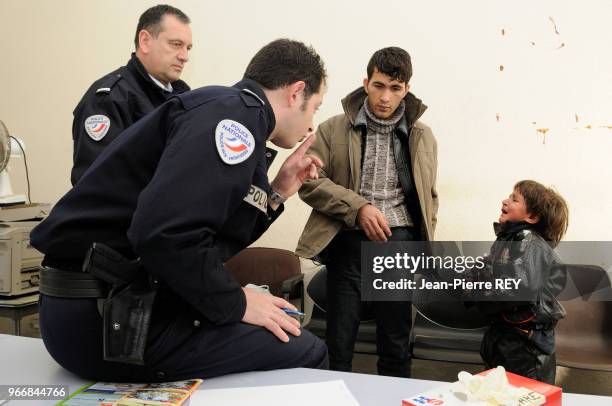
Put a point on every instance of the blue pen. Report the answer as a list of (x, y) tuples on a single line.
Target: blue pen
[(292, 312)]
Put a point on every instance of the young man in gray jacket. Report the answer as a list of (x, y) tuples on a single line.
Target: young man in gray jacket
[(377, 183)]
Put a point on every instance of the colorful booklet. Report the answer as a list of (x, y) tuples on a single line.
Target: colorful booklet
[(133, 394)]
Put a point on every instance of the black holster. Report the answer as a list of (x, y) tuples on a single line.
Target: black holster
[(126, 311)]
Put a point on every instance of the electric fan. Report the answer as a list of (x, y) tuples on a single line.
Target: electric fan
[(10, 147)]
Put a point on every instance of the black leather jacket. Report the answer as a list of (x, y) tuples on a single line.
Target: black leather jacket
[(520, 252)]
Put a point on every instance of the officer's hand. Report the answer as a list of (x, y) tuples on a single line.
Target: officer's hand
[(265, 310), (373, 223), (298, 167)]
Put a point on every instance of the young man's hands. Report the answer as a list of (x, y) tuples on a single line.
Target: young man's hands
[(373, 223)]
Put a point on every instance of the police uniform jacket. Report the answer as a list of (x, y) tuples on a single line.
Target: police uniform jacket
[(109, 106), (171, 192)]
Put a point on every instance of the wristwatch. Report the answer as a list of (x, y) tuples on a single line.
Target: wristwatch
[(277, 198)]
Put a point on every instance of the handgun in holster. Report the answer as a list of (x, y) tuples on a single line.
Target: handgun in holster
[(126, 311)]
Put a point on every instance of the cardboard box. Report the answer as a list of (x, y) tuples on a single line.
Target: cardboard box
[(551, 393), (538, 394)]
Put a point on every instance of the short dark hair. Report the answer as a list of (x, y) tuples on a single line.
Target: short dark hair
[(549, 206), (392, 61), (151, 19), (283, 62)]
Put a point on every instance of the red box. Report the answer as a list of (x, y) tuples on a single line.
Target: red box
[(551, 392), (440, 396)]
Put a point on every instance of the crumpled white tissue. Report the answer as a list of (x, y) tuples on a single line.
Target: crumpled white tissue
[(492, 388)]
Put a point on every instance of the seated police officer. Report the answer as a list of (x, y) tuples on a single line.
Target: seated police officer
[(119, 99), (173, 198)]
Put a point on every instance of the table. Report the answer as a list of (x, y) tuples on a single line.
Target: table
[(25, 360), (19, 316), (369, 390)]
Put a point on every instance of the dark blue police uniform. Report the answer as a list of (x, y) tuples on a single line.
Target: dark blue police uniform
[(112, 104), (164, 192)]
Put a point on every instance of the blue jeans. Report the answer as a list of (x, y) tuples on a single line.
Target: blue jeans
[(344, 308)]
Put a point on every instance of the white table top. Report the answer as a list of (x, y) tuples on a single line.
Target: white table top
[(25, 361), (369, 390)]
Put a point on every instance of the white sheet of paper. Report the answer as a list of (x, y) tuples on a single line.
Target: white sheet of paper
[(304, 394)]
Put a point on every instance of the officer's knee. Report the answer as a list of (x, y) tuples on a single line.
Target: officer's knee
[(320, 359)]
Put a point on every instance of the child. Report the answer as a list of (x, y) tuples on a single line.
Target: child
[(521, 336)]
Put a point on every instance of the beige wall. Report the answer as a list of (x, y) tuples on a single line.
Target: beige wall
[(51, 51)]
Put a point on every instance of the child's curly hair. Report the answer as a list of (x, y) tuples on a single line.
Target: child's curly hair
[(549, 206)]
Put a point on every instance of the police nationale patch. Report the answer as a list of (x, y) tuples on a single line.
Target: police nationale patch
[(97, 126), (234, 142)]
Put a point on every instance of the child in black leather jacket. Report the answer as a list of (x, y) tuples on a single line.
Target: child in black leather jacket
[(521, 336)]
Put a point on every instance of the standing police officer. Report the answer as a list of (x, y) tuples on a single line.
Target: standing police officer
[(177, 195), (119, 99)]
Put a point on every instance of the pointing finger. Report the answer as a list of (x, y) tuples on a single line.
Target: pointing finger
[(301, 150)]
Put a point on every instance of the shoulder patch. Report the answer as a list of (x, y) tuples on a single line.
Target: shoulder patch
[(234, 142), (97, 126), (251, 99), (107, 83)]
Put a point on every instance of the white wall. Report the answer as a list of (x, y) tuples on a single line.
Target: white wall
[(51, 51)]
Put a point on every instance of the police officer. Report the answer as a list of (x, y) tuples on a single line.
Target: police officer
[(180, 192), (119, 99)]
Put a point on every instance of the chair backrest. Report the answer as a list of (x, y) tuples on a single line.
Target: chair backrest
[(584, 281), (264, 266), (317, 290), (584, 336)]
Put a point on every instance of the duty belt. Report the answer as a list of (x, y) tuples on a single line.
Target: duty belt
[(58, 283), (125, 296)]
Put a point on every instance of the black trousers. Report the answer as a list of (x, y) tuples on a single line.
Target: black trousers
[(501, 345), (181, 345), (393, 319)]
